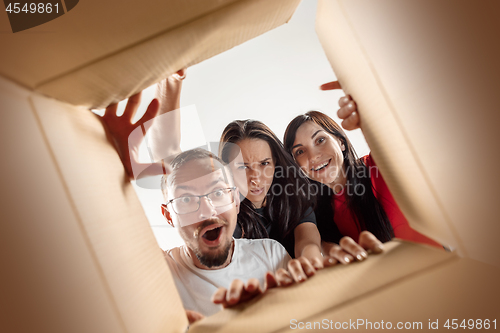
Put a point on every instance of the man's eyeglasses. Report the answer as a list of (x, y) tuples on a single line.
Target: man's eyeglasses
[(191, 203)]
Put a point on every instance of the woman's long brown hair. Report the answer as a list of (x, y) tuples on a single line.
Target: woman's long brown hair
[(367, 210)]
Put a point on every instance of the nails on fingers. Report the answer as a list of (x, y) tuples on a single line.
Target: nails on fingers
[(218, 298), (378, 248), (251, 288), (360, 257), (232, 299)]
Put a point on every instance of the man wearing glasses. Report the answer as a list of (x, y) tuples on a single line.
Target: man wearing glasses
[(202, 203)]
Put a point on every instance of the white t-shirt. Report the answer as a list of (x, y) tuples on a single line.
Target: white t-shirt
[(252, 258)]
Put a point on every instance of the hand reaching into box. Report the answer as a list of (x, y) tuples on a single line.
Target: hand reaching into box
[(126, 138), (299, 270), (348, 111)]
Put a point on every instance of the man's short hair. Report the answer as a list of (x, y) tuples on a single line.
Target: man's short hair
[(190, 155)]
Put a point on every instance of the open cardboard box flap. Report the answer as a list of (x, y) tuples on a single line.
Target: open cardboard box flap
[(426, 78), (407, 283), (129, 45)]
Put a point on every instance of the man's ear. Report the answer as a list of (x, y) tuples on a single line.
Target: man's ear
[(166, 214), (237, 200)]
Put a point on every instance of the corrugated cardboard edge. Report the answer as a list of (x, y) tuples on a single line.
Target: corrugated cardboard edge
[(330, 289), (96, 222), (118, 76), (391, 148)]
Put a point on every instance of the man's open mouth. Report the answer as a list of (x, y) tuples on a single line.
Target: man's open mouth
[(212, 234)]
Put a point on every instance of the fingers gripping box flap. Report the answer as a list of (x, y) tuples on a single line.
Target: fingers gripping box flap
[(433, 135), (77, 252), (129, 45), (408, 282)]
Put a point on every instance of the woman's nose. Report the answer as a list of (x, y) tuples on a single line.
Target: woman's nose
[(313, 155), (253, 176)]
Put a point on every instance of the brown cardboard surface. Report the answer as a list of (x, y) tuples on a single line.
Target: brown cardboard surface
[(94, 30), (400, 274), (78, 254), (49, 279), (461, 289), (131, 46), (426, 78)]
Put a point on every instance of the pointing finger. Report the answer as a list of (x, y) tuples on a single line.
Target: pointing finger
[(330, 86)]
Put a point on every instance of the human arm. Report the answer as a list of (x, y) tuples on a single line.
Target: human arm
[(308, 243), (164, 135), (121, 132), (126, 137)]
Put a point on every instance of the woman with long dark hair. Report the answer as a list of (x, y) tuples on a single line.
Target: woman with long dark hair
[(276, 203), (354, 196)]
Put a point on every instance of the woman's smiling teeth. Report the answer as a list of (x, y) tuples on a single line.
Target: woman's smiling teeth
[(321, 166), (257, 191)]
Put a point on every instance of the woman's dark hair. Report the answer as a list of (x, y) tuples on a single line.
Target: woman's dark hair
[(285, 211), (367, 210)]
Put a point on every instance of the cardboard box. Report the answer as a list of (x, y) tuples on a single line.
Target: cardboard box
[(76, 250), (104, 51), (426, 78), (408, 284)]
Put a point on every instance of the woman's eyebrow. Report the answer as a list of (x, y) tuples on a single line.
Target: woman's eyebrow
[(312, 137), (265, 160), (314, 134)]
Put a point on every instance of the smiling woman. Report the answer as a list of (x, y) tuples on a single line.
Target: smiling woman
[(357, 197)]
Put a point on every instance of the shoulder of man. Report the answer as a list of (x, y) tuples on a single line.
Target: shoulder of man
[(173, 256), (272, 249), (256, 243)]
